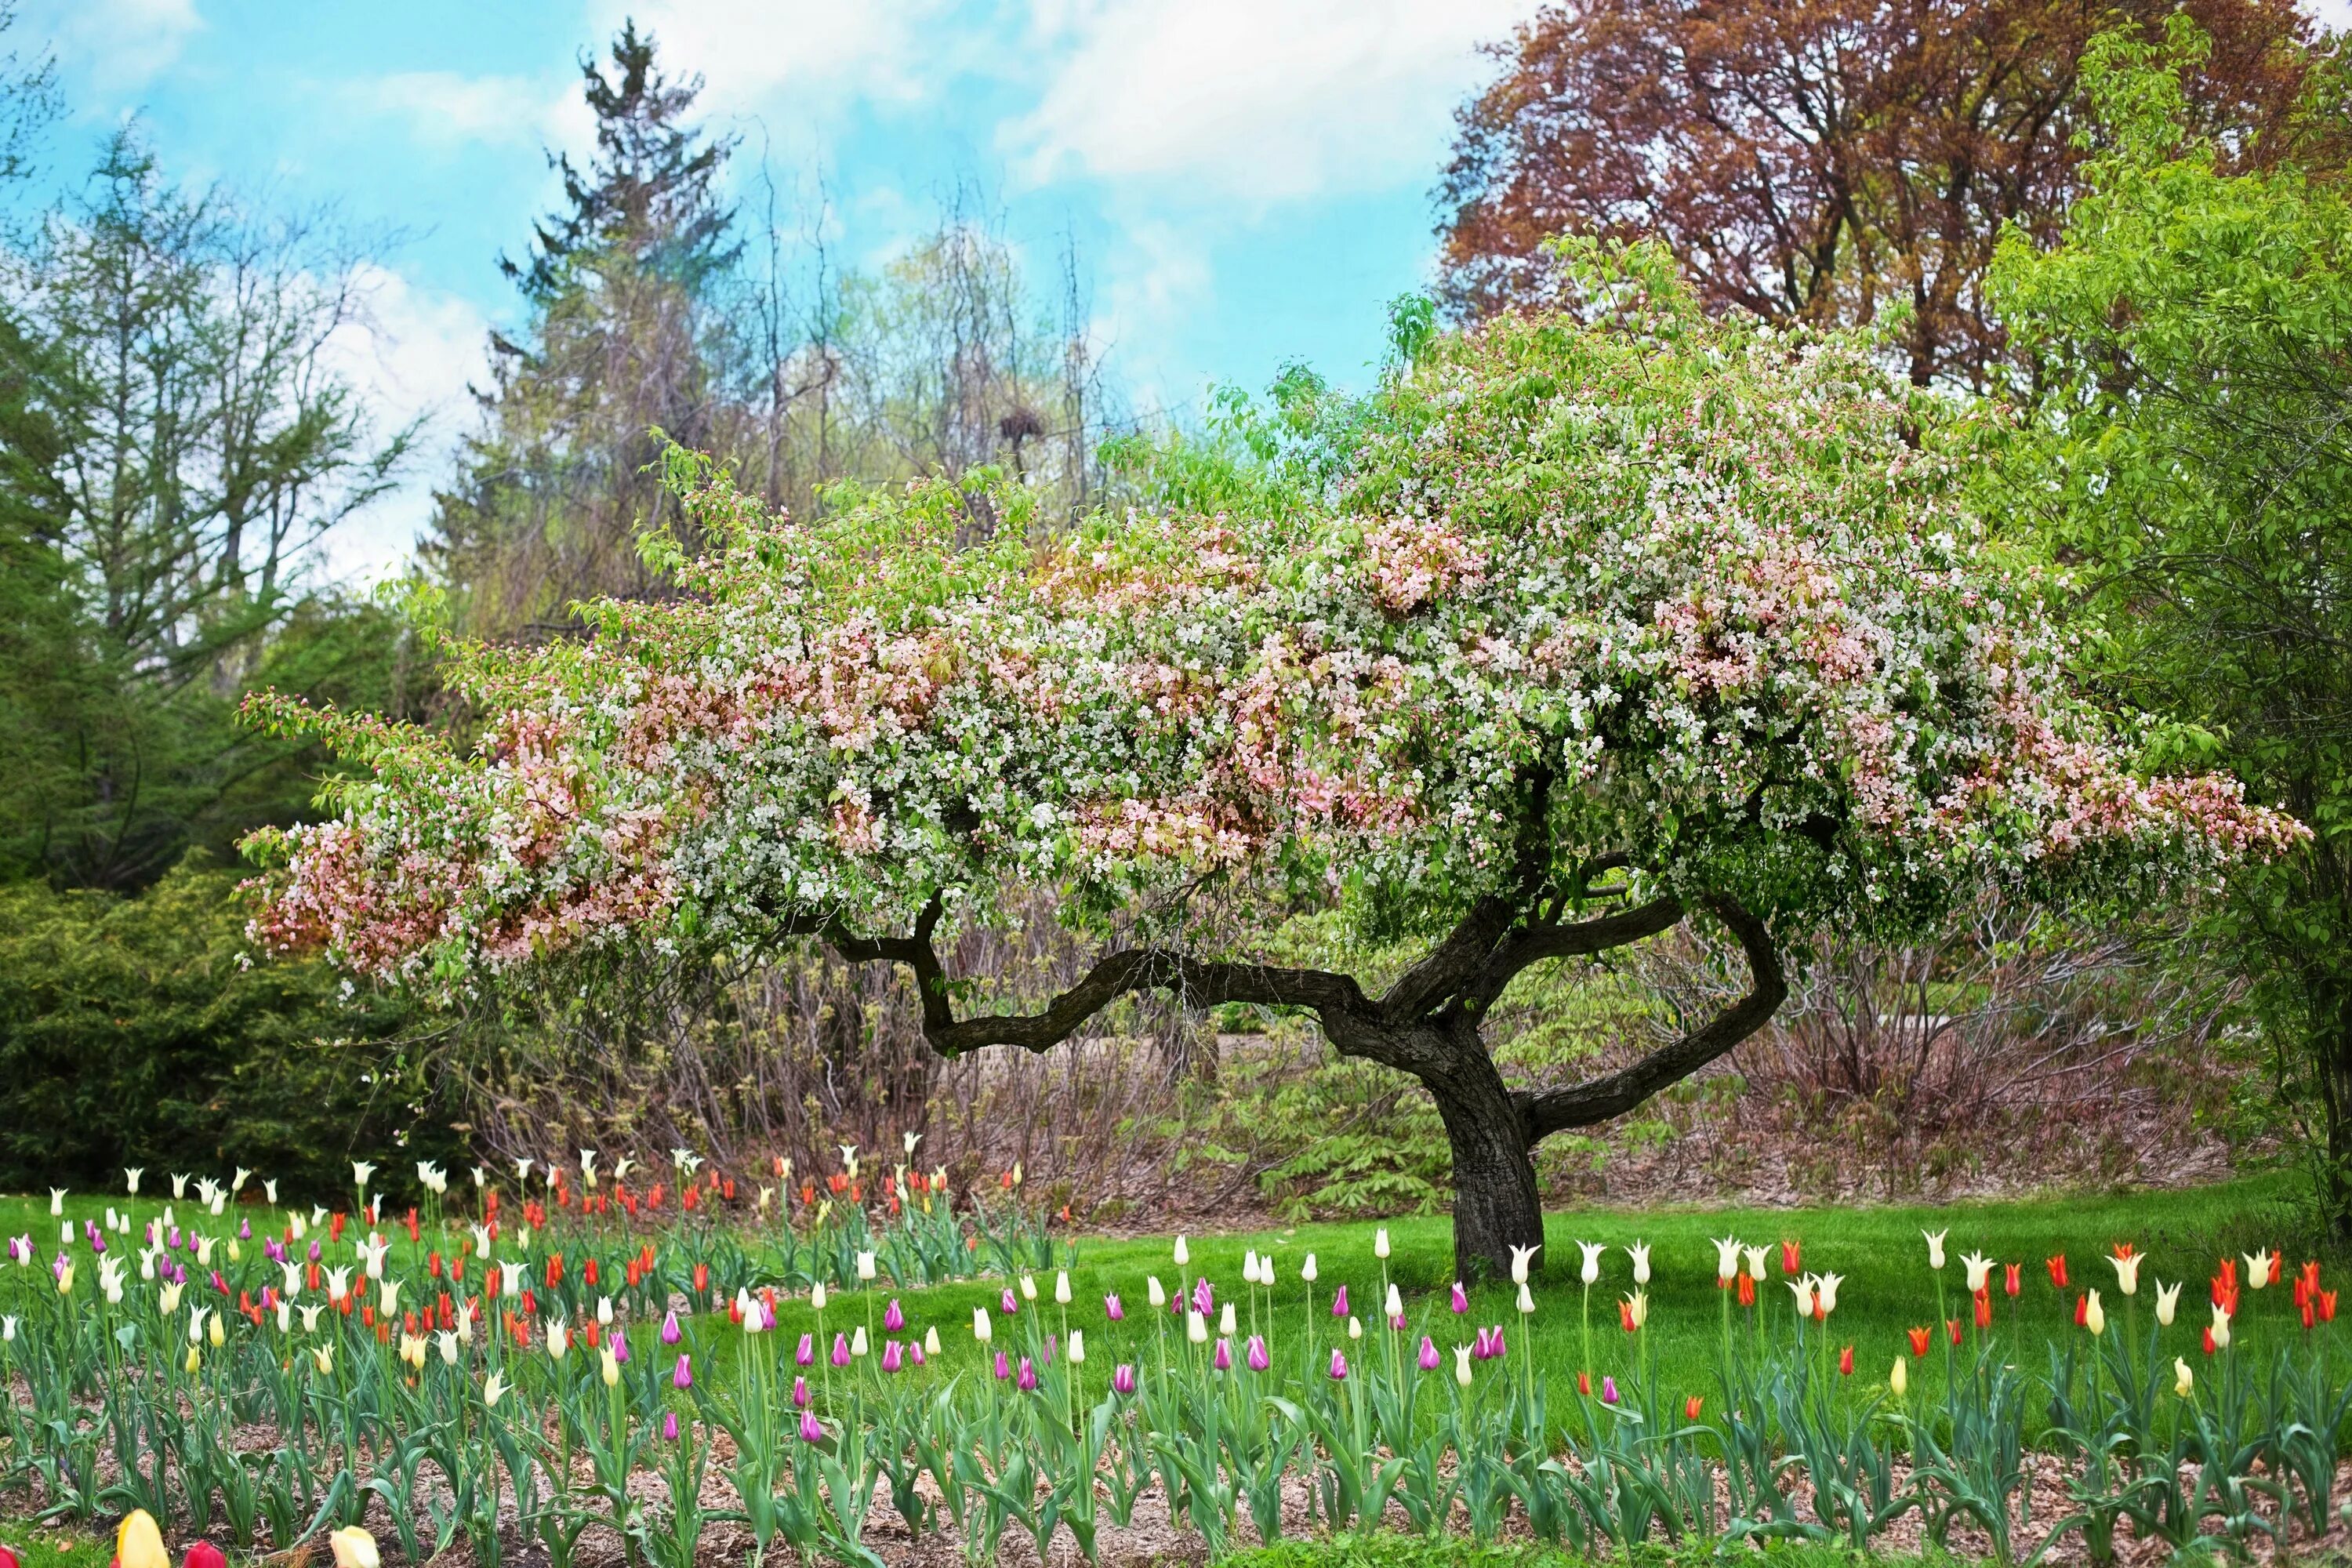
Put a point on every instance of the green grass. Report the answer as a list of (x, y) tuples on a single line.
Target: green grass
[(1889, 1287), (38, 1548)]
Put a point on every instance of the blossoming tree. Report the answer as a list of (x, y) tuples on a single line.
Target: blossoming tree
[(1567, 634)]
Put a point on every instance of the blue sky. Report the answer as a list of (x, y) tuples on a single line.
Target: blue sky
[(1248, 180)]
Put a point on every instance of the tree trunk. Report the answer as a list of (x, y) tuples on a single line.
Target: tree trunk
[(1496, 1205), (2335, 1098)]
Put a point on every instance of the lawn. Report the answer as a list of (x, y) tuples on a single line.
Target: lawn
[(1879, 1251)]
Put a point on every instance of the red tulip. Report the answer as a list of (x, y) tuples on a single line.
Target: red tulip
[(1789, 1254), (1919, 1341), (2057, 1266), (2009, 1280), (1747, 1290), (1984, 1309), (1953, 1327), (2082, 1311), (1691, 1407), (1845, 1361), (2325, 1301), (201, 1554)]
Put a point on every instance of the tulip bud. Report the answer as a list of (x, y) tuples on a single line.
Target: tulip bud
[(1900, 1378), (2183, 1380), (1184, 1253), (1153, 1292), (1381, 1242), (1306, 1269)]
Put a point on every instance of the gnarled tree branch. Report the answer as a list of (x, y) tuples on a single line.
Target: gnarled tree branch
[(1551, 1110)]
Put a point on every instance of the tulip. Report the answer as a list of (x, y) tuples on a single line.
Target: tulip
[(2095, 1317), (1936, 1246), (1920, 1338), (1980, 1270), (2261, 1269), (1061, 1288), (1428, 1353), (2009, 1277), (810, 1430), (1521, 1257), (683, 1376), (353, 1547), (1608, 1391), (1590, 1272), (891, 1358), (1727, 1259), (1461, 1364), (858, 1345), (1339, 1364), (1898, 1380), (670, 1332), (841, 1350), (1637, 1310), (930, 1341), (2057, 1266), (982, 1330), (1006, 1304), (1183, 1254), (1339, 1303), (1461, 1298), (1692, 1406), (1755, 1256), (1791, 1254), (1122, 1378), (1381, 1242), (1527, 1299), (2221, 1328), (609, 1369), (800, 1387), (491, 1391), (1825, 1289), (1305, 1270), (195, 1359), (1112, 1310), (57, 1207), (1078, 1348), (669, 1426), (1157, 1297), (1640, 1253), (1027, 1382), (2128, 1272), (1802, 1289), (1225, 1322), (893, 1318), (1355, 1329), (204, 1554), (1224, 1358), (816, 1297), (2168, 1300), (1196, 1328), (2183, 1380), (1845, 1362), (865, 1268)]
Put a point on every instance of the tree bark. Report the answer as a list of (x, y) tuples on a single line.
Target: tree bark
[(1496, 1206)]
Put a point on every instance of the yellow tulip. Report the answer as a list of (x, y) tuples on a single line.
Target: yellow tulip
[(2183, 1380), (353, 1548), (138, 1544), (195, 1359), (1899, 1379)]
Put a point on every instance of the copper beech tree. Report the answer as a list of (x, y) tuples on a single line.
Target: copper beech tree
[(1821, 161), (1563, 636)]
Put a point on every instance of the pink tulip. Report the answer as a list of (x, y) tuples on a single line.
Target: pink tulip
[(670, 1332), (1223, 1359), (806, 1355), (1258, 1359), (1428, 1353), (1461, 1298), (1122, 1378), (841, 1350), (1608, 1391), (890, 1357), (1339, 1303), (800, 1393), (669, 1426), (810, 1431), (1339, 1367), (893, 1320), (1028, 1378), (683, 1376), (1112, 1310), (1003, 1367)]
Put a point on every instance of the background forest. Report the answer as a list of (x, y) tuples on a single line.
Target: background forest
[(176, 437)]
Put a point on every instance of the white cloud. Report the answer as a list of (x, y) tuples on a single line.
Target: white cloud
[(410, 358), (1156, 277), (1264, 99), (750, 51), (446, 109), (120, 45), (2334, 15)]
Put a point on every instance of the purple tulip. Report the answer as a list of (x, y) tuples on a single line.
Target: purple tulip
[(1498, 1341), (96, 1244), (915, 1350), (669, 1426), (806, 1355), (1428, 1353), (1339, 1367), (1608, 1391), (810, 1431), (1052, 1345), (1113, 1310), (891, 1360), (58, 1268), (670, 1332), (1223, 1359), (1204, 1296), (1258, 1359), (1028, 1378), (893, 1320), (245, 1230), (800, 1393), (1122, 1378), (315, 1253), (683, 1376), (1339, 1303), (620, 1347), (841, 1350), (174, 1242), (1011, 1305), (1461, 1298), (1003, 1367), (1397, 1322)]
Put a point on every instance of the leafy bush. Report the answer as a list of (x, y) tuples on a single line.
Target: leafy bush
[(134, 1031)]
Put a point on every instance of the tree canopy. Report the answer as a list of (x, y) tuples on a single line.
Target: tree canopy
[(1828, 161), (1572, 627)]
